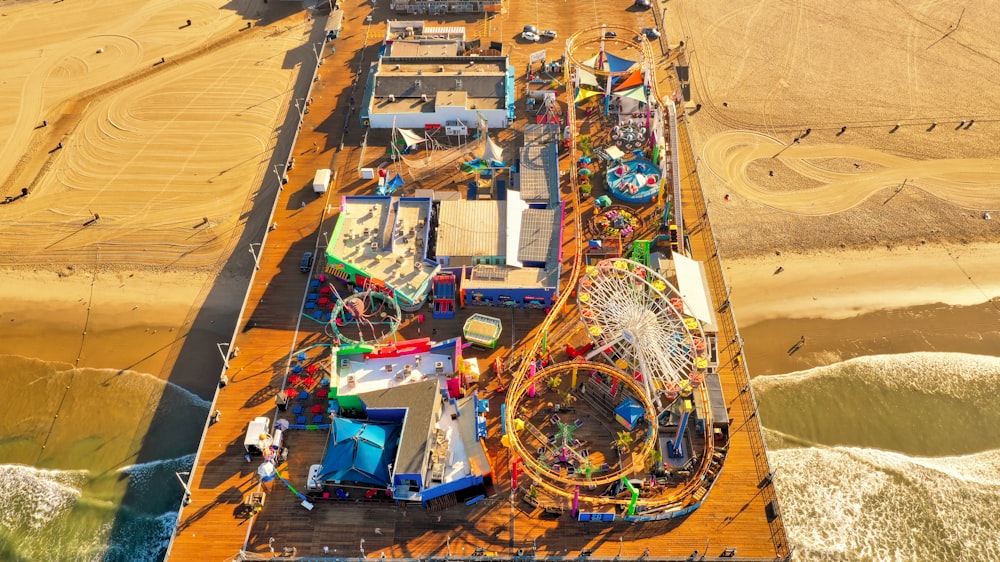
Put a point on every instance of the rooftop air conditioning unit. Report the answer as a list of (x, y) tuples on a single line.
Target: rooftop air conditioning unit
[(390, 368), (345, 363), (392, 98), (423, 97), (439, 366), (374, 246), (407, 369), (396, 68), (419, 71), (441, 68), (420, 222), (350, 380), (400, 260), (416, 359)]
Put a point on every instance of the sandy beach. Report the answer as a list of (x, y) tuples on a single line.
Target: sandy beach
[(144, 134), (847, 158), (860, 214)]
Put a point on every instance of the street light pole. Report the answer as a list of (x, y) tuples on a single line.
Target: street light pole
[(448, 540), (225, 356), (363, 548), (256, 256), (319, 53), (187, 489), (281, 178), (302, 111)]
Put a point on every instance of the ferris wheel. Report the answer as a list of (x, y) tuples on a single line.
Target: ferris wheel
[(636, 318), (367, 317)]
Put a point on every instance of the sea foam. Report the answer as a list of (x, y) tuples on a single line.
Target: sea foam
[(844, 503), (920, 404), (31, 498)]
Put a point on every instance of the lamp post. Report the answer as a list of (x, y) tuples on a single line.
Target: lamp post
[(281, 177), (187, 489), (363, 548), (225, 355), (448, 541), (318, 51), (326, 240), (256, 256)]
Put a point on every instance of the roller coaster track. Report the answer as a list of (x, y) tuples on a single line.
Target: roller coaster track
[(520, 379)]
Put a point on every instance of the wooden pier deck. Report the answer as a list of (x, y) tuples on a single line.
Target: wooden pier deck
[(213, 526)]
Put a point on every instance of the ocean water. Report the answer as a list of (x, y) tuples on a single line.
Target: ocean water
[(71, 484), (889, 457)]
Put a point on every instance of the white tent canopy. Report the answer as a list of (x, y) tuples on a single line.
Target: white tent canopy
[(492, 151), (412, 139), (692, 283)]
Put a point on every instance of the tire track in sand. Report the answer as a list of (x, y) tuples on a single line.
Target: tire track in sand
[(967, 182)]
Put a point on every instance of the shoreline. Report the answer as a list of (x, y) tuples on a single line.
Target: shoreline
[(839, 285)]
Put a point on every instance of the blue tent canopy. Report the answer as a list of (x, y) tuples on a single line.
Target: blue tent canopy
[(360, 451), (629, 412)]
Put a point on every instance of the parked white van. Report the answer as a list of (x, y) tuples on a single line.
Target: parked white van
[(258, 437), (322, 180)]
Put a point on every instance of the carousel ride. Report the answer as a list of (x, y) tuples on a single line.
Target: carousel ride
[(635, 181), (615, 221)]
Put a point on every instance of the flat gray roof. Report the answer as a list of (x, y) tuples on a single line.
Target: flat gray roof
[(541, 133), (420, 399), (424, 48), (539, 235), (374, 235), (538, 176), (471, 228)]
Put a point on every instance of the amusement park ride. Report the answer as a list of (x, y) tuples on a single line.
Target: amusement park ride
[(647, 360)]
